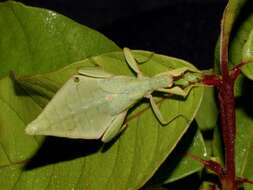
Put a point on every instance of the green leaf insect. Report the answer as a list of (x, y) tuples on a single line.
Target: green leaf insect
[(93, 104)]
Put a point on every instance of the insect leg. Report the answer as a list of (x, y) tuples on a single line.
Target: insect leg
[(159, 114), (94, 72), (178, 90), (174, 90), (179, 71), (114, 128), (132, 62)]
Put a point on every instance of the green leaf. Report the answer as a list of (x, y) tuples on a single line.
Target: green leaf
[(244, 146), (180, 164), (241, 42), (247, 51), (208, 112), (36, 40), (244, 131), (42, 41), (217, 146), (241, 33), (126, 163), (231, 16), (247, 56)]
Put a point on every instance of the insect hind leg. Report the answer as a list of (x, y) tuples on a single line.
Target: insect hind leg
[(114, 128), (132, 62), (159, 115)]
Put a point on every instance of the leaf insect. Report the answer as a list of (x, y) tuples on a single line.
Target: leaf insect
[(93, 104)]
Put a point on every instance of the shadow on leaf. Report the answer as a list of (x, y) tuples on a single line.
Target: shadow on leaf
[(55, 149), (245, 12), (171, 163), (245, 100)]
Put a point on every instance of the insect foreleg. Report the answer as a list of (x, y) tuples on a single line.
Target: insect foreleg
[(115, 127), (178, 90), (179, 71), (132, 62), (159, 114), (174, 90), (94, 72)]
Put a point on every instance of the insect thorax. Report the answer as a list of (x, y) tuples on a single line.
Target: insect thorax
[(161, 81), (123, 92)]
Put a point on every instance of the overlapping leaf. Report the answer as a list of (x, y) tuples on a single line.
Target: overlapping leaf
[(180, 163), (230, 22), (35, 41), (240, 50), (140, 150), (208, 112), (244, 146)]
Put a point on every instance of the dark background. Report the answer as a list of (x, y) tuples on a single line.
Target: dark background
[(186, 29)]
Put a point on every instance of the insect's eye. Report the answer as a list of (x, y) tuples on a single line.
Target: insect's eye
[(76, 79)]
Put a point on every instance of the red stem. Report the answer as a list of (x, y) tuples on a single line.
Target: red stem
[(225, 86), (227, 107)]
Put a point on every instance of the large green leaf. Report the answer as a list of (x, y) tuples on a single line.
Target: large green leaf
[(230, 15), (244, 133), (239, 47), (229, 24), (126, 163), (244, 146), (180, 163), (241, 33), (36, 40), (247, 54), (217, 146), (208, 112)]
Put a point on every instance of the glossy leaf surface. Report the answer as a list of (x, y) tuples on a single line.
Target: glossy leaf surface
[(208, 112), (244, 146), (133, 158), (42, 41), (241, 42), (36, 40), (180, 163)]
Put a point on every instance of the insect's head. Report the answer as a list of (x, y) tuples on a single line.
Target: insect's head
[(187, 79)]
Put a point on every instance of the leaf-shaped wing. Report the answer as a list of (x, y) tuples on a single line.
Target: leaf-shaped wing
[(78, 110)]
